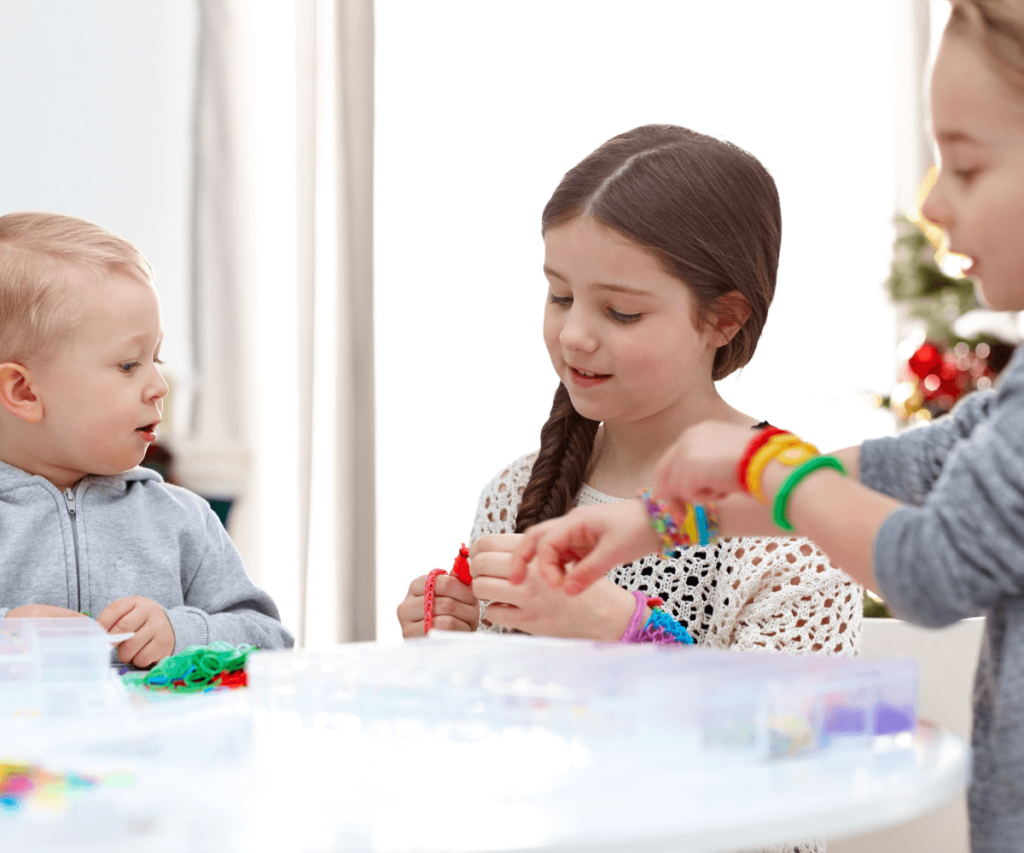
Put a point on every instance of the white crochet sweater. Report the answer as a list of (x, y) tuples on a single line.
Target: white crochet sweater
[(779, 594)]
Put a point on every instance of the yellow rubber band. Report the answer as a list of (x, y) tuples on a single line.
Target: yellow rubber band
[(772, 448)]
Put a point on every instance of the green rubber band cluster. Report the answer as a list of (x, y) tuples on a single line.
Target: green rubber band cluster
[(195, 669), (782, 496)]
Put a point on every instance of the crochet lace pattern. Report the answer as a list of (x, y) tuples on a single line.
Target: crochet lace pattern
[(775, 594)]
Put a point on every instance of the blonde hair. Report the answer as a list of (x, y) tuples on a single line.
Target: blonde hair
[(997, 27), (45, 259)]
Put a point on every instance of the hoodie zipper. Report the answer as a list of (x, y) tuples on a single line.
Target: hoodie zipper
[(69, 499)]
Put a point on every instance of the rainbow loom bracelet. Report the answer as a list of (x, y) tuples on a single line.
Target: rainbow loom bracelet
[(700, 526), (664, 630)]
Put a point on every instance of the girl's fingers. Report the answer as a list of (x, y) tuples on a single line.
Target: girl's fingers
[(448, 587), (522, 557), (496, 590), (504, 615), (501, 542)]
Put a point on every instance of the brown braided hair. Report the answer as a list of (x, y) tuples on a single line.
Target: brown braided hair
[(709, 212)]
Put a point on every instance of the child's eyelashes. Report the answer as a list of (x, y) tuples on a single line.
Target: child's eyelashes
[(128, 366), (619, 317)]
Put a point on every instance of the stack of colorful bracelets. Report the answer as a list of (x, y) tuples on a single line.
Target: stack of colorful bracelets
[(700, 524), (699, 527), (660, 628), (772, 443)]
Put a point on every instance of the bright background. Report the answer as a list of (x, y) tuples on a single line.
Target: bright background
[(481, 107)]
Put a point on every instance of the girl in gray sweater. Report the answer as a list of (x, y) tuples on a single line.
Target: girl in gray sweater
[(932, 519)]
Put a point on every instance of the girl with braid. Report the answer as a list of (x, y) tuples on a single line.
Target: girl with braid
[(661, 250)]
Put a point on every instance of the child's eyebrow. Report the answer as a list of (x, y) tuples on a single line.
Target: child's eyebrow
[(948, 137), (623, 288), (617, 288)]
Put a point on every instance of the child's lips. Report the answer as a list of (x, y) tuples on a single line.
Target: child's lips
[(587, 379)]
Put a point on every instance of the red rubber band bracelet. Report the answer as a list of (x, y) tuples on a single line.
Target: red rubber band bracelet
[(756, 443)]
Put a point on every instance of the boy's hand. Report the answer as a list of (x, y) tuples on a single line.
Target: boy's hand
[(584, 545), (601, 613), (154, 636), (455, 607), (41, 611)]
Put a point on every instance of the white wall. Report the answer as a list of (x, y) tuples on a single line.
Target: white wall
[(95, 116), (481, 109)]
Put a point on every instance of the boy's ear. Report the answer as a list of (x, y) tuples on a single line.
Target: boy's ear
[(17, 394), (731, 311)]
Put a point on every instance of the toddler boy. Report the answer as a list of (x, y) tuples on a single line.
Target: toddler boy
[(83, 528)]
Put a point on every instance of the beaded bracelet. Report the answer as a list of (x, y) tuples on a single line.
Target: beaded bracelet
[(791, 482), (700, 525)]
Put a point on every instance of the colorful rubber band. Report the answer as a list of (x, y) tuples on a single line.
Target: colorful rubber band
[(702, 524), (755, 444), (632, 632), (664, 630), (428, 599), (664, 524), (793, 480), (460, 570)]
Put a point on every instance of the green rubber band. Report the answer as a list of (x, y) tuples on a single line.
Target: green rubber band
[(793, 480)]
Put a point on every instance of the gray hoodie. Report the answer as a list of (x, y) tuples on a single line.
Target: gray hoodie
[(957, 550), (129, 534)]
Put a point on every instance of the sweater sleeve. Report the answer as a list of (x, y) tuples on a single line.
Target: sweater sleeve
[(921, 453), (958, 551), (221, 602)]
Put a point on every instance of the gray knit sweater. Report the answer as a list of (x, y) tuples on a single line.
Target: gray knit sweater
[(129, 534), (957, 550)]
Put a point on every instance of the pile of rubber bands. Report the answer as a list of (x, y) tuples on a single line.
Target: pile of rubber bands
[(20, 782), (197, 669)]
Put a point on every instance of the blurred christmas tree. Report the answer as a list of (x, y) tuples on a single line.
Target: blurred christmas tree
[(956, 346)]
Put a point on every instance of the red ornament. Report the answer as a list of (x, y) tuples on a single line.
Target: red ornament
[(924, 360)]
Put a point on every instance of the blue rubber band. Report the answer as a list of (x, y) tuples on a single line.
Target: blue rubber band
[(702, 525)]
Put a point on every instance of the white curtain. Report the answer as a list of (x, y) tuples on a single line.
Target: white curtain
[(281, 400)]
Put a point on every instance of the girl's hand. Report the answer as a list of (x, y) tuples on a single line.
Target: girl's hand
[(41, 611), (582, 546), (532, 606), (154, 636), (700, 467), (455, 607)]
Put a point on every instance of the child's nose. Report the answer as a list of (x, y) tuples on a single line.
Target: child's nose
[(934, 207), (576, 333), (158, 387)]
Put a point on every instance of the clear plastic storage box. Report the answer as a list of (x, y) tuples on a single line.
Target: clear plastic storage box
[(739, 705), (56, 667)]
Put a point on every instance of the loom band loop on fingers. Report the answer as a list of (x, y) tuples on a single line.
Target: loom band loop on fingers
[(794, 479)]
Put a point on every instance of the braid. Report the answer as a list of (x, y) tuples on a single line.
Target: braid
[(566, 444)]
